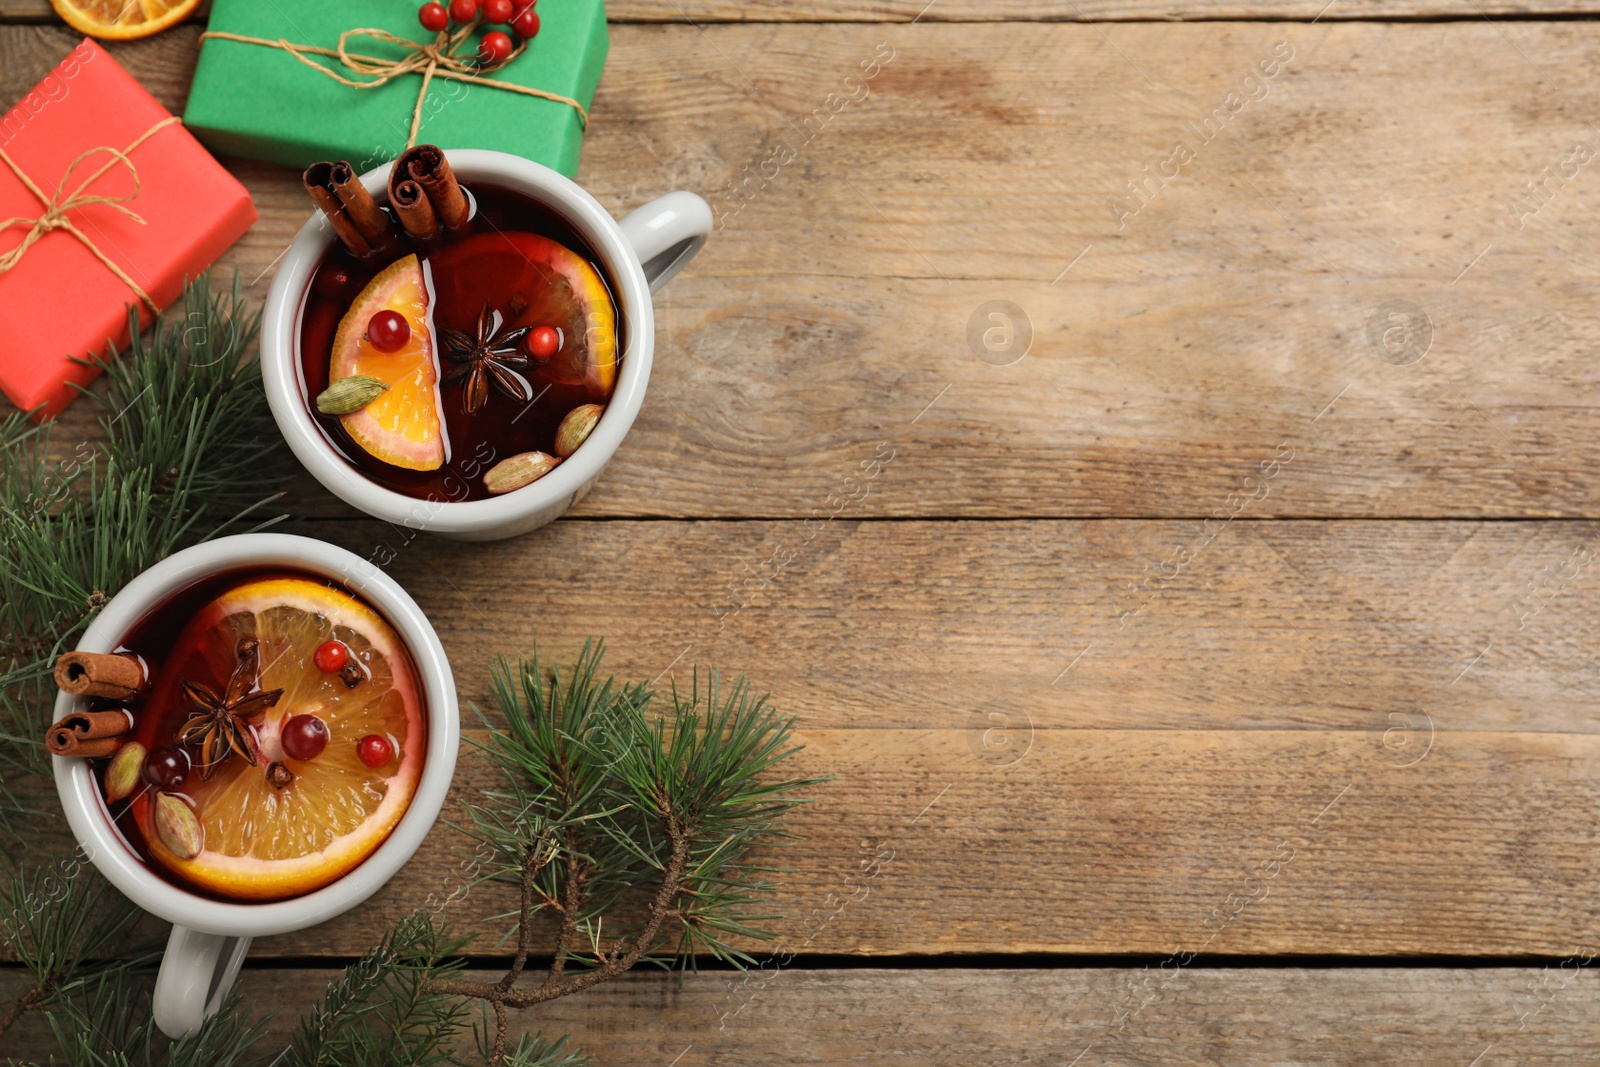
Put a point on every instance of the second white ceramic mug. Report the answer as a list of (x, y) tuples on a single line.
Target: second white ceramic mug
[(210, 937), (639, 254)]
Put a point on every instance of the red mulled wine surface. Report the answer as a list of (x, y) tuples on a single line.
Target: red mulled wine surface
[(483, 265)]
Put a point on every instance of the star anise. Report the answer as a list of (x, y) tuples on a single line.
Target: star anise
[(222, 723), (490, 356)]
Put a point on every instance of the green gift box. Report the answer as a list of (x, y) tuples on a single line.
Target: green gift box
[(259, 99)]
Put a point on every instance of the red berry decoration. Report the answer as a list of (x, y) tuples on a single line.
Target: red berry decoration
[(497, 11), (331, 656), (388, 331), (433, 17), (304, 737), (374, 750), (494, 48), (526, 23), (543, 342), (166, 767), (463, 10)]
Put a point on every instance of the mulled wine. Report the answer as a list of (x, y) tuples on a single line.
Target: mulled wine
[(459, 342), (278, 734)]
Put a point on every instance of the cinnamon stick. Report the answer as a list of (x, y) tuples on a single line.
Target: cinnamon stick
[(373, 222), (89, 734), (427, 165), (100, 674), (415, 211), (322, 194)]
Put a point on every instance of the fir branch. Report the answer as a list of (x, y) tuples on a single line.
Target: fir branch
[(107, 1022), (189, 449), (601, 798), (55, 921), (379, 1012), (535, 1050)]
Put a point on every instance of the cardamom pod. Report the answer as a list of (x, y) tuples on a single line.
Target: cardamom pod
[(349, 395), (514, 472), (179, 827), (576, 428), (123, 772)]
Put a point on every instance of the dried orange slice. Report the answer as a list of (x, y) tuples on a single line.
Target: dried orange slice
[(537, 282), (123, 20), (261, 840), (401, 427)]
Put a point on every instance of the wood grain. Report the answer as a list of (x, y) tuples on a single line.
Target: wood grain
[(716, 11), (1315, 691), (1164, 841), (1230, 314), (1037, 1018), (914, 625)]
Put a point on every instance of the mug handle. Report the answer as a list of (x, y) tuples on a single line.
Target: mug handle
[(666, 233), (196, 973)]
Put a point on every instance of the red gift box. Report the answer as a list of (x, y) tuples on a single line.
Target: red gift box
[(160, 212)]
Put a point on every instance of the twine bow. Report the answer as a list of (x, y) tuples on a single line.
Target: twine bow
[(437, 59), (57, 207)]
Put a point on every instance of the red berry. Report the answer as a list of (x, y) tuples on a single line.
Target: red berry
[(388, 331), (331, 656), (526, 23), (494, 48), (543, 342), (433, 17), (304, 737), (166, 767), (498, 11), (463, 10), (374, 750)]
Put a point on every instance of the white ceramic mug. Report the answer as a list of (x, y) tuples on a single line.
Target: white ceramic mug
[(210, 937), (639, 255)]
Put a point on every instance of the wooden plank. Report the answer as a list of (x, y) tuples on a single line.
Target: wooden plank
[(1038, 1018), (1240, 311), (913, 625), (716, 11), (1107, 841), (1345, 705)]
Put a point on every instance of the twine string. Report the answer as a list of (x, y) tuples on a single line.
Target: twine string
[(439, 58), (57, 207)]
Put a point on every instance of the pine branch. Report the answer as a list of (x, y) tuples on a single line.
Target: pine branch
[(188, 451), (189, 446), (106, 1022), (55, 921), (600, 798), (535, 1050), (381, 1011)]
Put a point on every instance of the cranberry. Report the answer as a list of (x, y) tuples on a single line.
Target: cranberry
[(433, 17), (167, 767), (526, 23), (332, 282), (331, 656), (463, 10), (304, 737), (543, 342), (498, 11), (374, 750), (388, 331), (494, 48)]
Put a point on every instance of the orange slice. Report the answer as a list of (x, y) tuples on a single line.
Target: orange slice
[(260, 841), (401, 427), (536, 282), (123, 20)]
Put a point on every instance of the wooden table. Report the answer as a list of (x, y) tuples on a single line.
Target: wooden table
[(1219, 671)]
